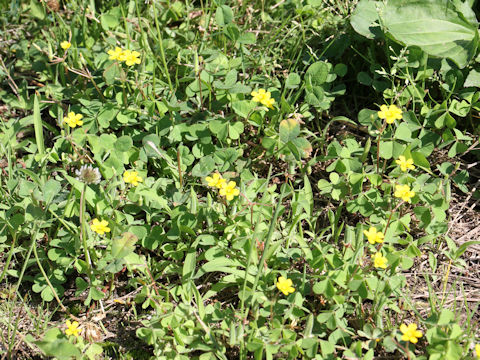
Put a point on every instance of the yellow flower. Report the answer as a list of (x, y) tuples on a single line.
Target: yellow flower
[(130, 57), (410, 333), (131, 177), (100, 227), (73, 119), (390, 113), (405, 164), (258, 95), (115, 54), (263, 97), (404, 192), (477, 351), (215, 180), (379, 261), (229, 190), (373, 235), (285, 285), (65, 45), (72, 328)]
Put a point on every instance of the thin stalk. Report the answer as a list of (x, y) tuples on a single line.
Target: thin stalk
[(179, 164), (47, 280), (37, 124), (9, 258), (34, 237), (378, 146), (267, 243), (82, 232), (162, 52)]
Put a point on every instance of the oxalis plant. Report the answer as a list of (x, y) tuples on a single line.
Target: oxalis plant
[(237, 180)]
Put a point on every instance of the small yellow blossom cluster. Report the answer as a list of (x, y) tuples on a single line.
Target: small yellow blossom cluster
[(405, 164), (285, 285), (264, 97), (128, 56), (73, 119), (477, 351), (404, 192), (227, 189), (72, 328), (410, 333), (373, 236), (100, 227), (390, 113), (65, 45), (379, 261), (131, 177)]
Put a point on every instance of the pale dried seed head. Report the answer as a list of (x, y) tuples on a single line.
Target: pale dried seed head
[(88, 175)]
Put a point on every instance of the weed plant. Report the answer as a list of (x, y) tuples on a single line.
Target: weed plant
[(236, 179)]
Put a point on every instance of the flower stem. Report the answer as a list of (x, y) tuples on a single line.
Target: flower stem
[(82, 232), (55, 295), (388, 222), (378, 146), (267, 243)]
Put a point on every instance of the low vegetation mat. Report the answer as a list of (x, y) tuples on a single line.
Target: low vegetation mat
[(233, 179)]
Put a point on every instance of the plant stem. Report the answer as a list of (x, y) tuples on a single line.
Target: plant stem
[(47, 280), (34, 237), (179, 164), (378, 146), (9, 258), (82, 232), (267, 243), (162, 52)]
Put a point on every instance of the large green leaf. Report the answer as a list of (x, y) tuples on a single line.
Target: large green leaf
[(435, 26), (123, 246), (365, 19)]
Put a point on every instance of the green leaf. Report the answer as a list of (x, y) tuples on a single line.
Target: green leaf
[(247, 39), (235, 129), (365, 19), (106, 115), (109, 21), (243, 108), (445, 317), (473, 79), (96, 294), (231, 32), (81, 285), (316, 97), (340, 69), (94, 350), (219, 128), (54, 344), (124, 245), (420, 160), (403, 132), (111, 73), (189, 264), (223, 15), (364, 78), (36, 9), (289, 130), (293, 80), (204, 167), (124, 143), (462, 248), (437, 28), (318, 72), (50, 189)]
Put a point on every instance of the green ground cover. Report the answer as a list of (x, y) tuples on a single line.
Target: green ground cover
[(214, 179)]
